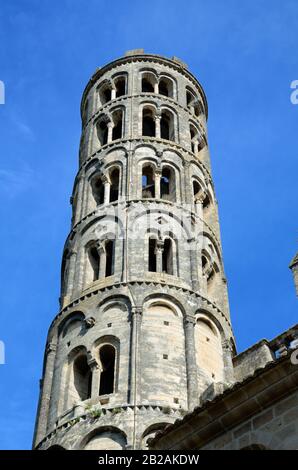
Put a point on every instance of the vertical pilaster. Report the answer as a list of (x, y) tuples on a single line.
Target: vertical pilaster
[(136, 317), (191, 368), (45, 395)]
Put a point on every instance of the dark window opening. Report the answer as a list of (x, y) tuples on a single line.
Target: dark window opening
[(107, 359), (82, 377), (167, 257), (102, 132), (147, 86), (167, 126), (163, 88), (196, 188), (206, 202), (148, 182), (106, 95), (148, 123), (117, 129), (114, 189), (94, 260), (152, 255), (109, 258), (98, 190), (204, 262), (189, 98), (165, 183), (120, 86)]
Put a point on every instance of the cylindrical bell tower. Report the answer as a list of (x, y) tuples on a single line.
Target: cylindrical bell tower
[(143, 333)]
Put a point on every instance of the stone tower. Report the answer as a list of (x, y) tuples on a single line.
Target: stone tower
[(144, 329)]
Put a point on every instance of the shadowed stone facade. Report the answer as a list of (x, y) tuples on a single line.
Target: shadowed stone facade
[(144, 329)]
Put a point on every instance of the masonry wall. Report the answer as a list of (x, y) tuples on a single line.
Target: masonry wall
[(141, 305), (275, 428)]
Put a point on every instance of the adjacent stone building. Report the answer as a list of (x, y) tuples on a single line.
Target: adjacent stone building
[(143, 335)]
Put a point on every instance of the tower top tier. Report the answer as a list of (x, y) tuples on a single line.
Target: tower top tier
[(138, 55)]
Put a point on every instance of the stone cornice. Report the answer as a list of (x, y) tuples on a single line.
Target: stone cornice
[(206, 303), (147, 140), (151, 96), (109, 412), (128, 202), (177, 67)]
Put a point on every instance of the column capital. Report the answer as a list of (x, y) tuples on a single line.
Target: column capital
[(104, 178), (92, 362), (189, 319), (89, 322), (137, 310)]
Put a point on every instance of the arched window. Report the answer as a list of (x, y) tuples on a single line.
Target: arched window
[(105, 94), (167, 256), (120, 84), (148, 82), (109, 253), (118, 124), (189, 98), (165, 87), (82, 377), (167, 184), (193, 132), (198, 108), (196, 189), (55, 447), (206, 202), (101, 260), (107, 356), (98, 189), (114, 189), (148, 122), (71, 326), (102, 131), (94, 261), (148, 182), (106, 439), (197, 140), (152, 255), (167, 125)]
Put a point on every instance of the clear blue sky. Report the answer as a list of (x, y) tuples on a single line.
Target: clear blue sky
[(244, 54)]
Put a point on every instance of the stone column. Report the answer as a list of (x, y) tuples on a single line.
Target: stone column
[(136, 317), (158, 173), (196, 146), (45, 393), (107, 189), (156, 90), (95, 370), (110, 132), (157, 125), (102, 261), (191, 367), (158, 253), (113, 93)]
